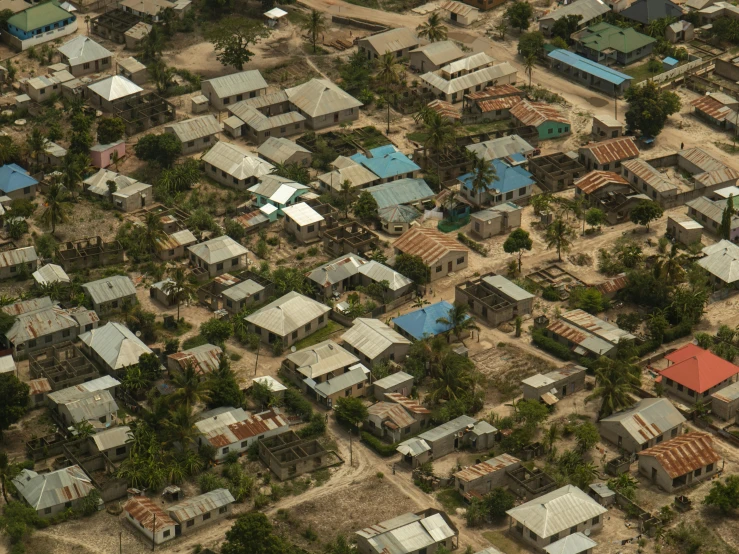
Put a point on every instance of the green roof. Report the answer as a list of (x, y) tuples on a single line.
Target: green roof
[(38, 16), (602, 36)]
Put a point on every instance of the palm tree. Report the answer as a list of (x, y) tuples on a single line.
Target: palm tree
[(440, 134), (9, 150), (58, 207), (73, 170), (8, 472), (483, 176), (551, 437), (670, 266), (423, 114), (190, 389), (180, 426), (455, 380), (161, 75), (346, 190), (434, 29), (35, 143), (179, 288), (615, 380), (560, 235), (153, 231), (388, 73), (528, 64), (459, 321), (315, 24), (134, 380)]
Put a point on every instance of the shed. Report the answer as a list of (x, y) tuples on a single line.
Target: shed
[(400, 382), (274, 16), (277, 388), (51, 273), (7, 364), (602, 494), (460, 13), (133, 70), (684, 229), (199, 104), (38, 391), (149, 519), (104, 155), (669, 63), (725, 401)]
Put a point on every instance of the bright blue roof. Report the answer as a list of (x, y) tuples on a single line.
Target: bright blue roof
[(13, 177), (670, 61), (509, 178), (421, 323), (386, 161), (517, 157), (588, 66)]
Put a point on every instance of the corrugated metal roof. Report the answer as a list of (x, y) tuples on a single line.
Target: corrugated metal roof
[(243, 290), (698, 369), (536, 113), (441, 52), (288, 313), (571, 544), (612, 285), (391, 41), (263, 101), (277, 189), (84, 390), (649, 419), (378, 272), (604, 36), (386, 162), (196, 128), (131, 64), (612, 150), (253, 118), (408, 533), (452, 427), (587, 66), (684, 221), (237, 83), (394, 413), (494, 104), (271, 383), (596, 180), (353, 376), (199, 505), (702, 159), (487, 467), (115, 344), (469, 81), (320, 97), (93, 407), (40, 323), (217, 250), (110, 288), (47, 490), (111, 438), (393, 379), (114, 87), (279, 149), (372, 337), (148, 514), (25, 306), (586, 9), (684, 454), (596, 326), (336, 270), (131, 190), (205, 358), (459, 8), (83, 49), (51, 273), (507, 288), (401, 191), (429, 244), (714, 108), (7, 364), (236, 161), (423, 322), (37, 386), (444, 109), (650, 175), (501, 147), (25, 255), (557, 511), (398, 214), (356, 174), (322, 358), (496, 91), (727, 394), (224, 429), (98, 183), (470, 63), (302, 214), (712, 209), (409, 404)]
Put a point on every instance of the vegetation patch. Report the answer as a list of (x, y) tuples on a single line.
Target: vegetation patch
[(320, 335)]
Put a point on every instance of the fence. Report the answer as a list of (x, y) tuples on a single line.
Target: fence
[(672, 74), (360, 23)]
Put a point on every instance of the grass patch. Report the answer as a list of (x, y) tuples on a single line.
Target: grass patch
[(296, 17), (639, 72), (486, 127), (450, 499), (374, 4), (503, 543), (417, 136), (728, 148), (182, 328), (192, 342), (319, 336)]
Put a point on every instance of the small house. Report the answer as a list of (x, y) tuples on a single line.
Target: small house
[(277, 150), (427, 531), (219, 255), (105, 93), (680, 462), (133, 197), (606, 127), (204, 509), (496, 220), (588, 10), (113, 347), (391, 421), (399, 382), (83, 55), (80, 404), (406, 191), (398, 42), (388, 163), (423, 322), (250, 123), (549, 121), (323, 104), (304, 223), (435, 55), (174, 245), (604, 42), (110, 294), (278, 191), (15, 262), (52, 155), (319, 363), (494, 299), (460, 13), (149, 519), (375, 342), (233, 166), (38, 390), (554, 385), (104, 155), (51, 273), (195, 134), (204, 359), (43, 87), (511, 182), (684, 229), (483, 477), (288, 319), (725, 401), (441, 254), (650, 422), (577, 543), (52, 493), (680, 31), (717, 108), (115, 443), (646, 11), (453, 89), (277, 388), (721, 261), (695, 374), (396, 220), (586, 334), (229, 89), (133, 70), (246, 293), (353, 382), (15, 182), (135, 36)]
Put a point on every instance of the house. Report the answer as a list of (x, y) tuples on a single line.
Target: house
[(549, 122), (204, 509), (725, 401), (651, 421), (97, 183), (195, 134), (608, 154), (587, 9), (598, 185), (646, 11), (695, 374), (502, 147), (458, 433), (51, 493), (304, 223), (577, 543), (323, 104), (494, 299), (233, 166), (396, 220), (604, 42), (83, 55), (398, 285), (680, 462), (391, 421), (277, 150), (555, 515), (14, 262), (496, 220), (114, 443), (204, 359), (233, 88), (353, 382), (134, 37), (493, 103), (15, 182), (555, 385), (606, 127), (400, 382), (453, 89), (318, 363), (422, 323), (406, 191), (43, 87), (388, 163), (104, 155), (435, 55), (110, 294), (219, 255), (52, 155), (113, 347), (174, 245), (461, 14), (133, 70), (105, 93), (721, 261), (479, 479), (346, 169), (718, 10), (709, 214), (686, 230), (511, 182), (680, 31), (410, 533), (234, 431), (441, 254), (37, 24), (133, 197), (398, 42), (149, 519), (350, 270), (7, 365), (375, 342), (717, 108), (38, 390), (587, 72), (91, 402), (278, 191), (585, 334), (288, 319), (246, 293), (249, 122)]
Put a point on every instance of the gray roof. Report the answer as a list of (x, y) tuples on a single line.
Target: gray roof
[(501, 147), (47, 490), (237, 83), (302, 214), (356, 174), (279, 149), (243, 290), (195, 128), (236, 161), (199, 505), (92, 407), (111, 438), (25, 255), (649, 419), (398, 214), (408, 533), (131, 64), (728, 393), (571, 544), (392, 40), (277, 189), (393, 379), (40, 323), (115, 344), (83, 390), (469, 81), (372, 337), (722, 261), (588, 9), (110, 288), (218, 250), (378, 272), (556, 511), (449, 428), (401, 191), (507, 288), (413, 447), (320, 97), (25, 306), (82, 49), (336, 270), (98, 183), (53, 149), (712, 209), (353, 376), (288, 313), (130, 190), (322, 358), (469, 63), (441, 52), (114, 87)]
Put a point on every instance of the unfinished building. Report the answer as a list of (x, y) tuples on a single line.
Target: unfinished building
[(144, 111), (98, 467), (494, 298), (556, 277), (113, 25), (529, 484), (349, 238), (287, 455), (211, 293), (556, 172), (88, 253), (64, 365)]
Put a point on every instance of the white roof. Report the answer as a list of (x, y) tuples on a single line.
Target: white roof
[(571, 544), (98, 183), (236, 161), (217, 250), (372, 337), (7, 364), (237, 83), (268, 209), (82, 49), (115, 344), (649, 419), (275, 13), (722, 261), (322, 358), (277, 189), (320, 97), (508, 288), (111, 438), (288, 313), (270, 382), (470, 80), (407, 533), (115, 87), (51, 273), (302, 214), (130, 190)]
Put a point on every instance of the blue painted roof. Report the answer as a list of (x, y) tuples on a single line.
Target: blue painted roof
[(386, 161), (421, 323), (13, 177), (588, 66), (670, 61), (509, 178), (517, 157)]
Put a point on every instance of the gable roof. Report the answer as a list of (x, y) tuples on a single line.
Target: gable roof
[(386, 161), (83, 49), (191, 508), (43, 322), (722, 261), (25, 255), (646, 11), (596, 180), (507, 177), (588, 9), (110, 288), (195, 128), (322, 358), (441, 52), (111, 438), (148, 514), (352, 376), (684, 454), (236, 161), (423, 322), (13, 177), (612, 150), (649, 419), (537, 113), (218, 250), (224, 428), (395, 414), (277, 189), (401, 191), (204, 358), (571, 544), (115, 344), (408, 533), (280, 149), (336, 270), (378, 272), (501, 147), (588, 66), (320, 97), (697, 369), (46, 490), (114, 87), (715, 106), (470, 80), (39, 15), (372, 337), (288, 313), (237, 83), (429, 244), (392, 40)]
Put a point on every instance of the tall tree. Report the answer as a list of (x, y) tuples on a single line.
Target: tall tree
[(434, 29), (529, 63), (9, 150), (649, 108), (346, 191), (616, 379), (519, 14), (459, 321), (453, 380), (15, 400), (726, 219), (153, 231), (645, 212), (315, 25), (189, 387), (110, 129), (560, 235), (58, 207), (518, 241), (231, 38), (179, 288), (440, 134), (252, 533), (388, 73), (35, 144), (483, 176)]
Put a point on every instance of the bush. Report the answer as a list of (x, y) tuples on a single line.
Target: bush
[(277, 347), (382, 448), (550, 345), (297, 404), (550, 293), (315, 428), (476, 246), (210, 482)]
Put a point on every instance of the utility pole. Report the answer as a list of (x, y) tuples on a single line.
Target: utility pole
[(154, 533), (256, 362), (351, 453), (120, 542)]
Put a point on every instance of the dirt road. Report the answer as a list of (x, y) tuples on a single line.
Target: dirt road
[(344, 9)]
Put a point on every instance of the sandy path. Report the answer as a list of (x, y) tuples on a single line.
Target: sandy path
[(344, 9)]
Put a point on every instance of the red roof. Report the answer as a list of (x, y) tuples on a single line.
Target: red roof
[(698, 369)]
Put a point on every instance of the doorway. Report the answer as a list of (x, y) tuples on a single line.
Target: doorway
[(449, 267)]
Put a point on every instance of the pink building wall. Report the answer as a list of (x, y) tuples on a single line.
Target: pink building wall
[(102, 158)]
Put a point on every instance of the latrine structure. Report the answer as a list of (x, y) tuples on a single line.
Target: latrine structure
[(89, 252), (349, 238), (287, 455), (64, 365)]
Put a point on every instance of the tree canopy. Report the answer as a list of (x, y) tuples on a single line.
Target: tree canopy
[(412, 267), (231, 38), (518, 241), (365, 208), (649, 108), (15, 400), (163, 149), (531, 43), (645, 212), (519, 15), (252, 533), (110, 129)]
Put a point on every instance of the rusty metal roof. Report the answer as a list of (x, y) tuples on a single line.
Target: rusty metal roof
[(224, 429), (498, 91), (493, 104), (428, 244), (616, 149), (485, 468), (389, 412), (537, 113), (713, 108), (199, 505), (684, 454), (410, 405), (205, 358), (39, 386), (444, 109), (612, 285), (26, 255), (47, 490), (596, 180), (650, 175), (143, 510)]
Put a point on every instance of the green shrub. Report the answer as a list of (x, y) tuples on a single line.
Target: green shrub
[(382, 448), (550, 345), (550, 293)]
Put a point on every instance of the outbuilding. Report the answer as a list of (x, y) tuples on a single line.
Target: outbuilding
[(684, 229), (204, 509), (400, 382), (680, 462), (496, 220), (650, 422), (195, 134), (149, 519), (375, 342), (562, 382), (104, 155), (725, 402)]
